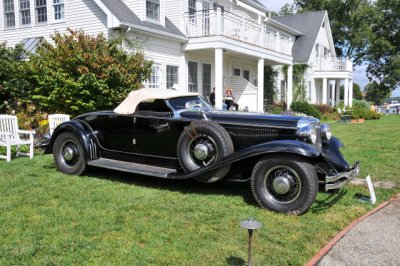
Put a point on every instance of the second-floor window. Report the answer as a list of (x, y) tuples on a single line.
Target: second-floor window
[(153, 9), (25, 12), (41, 11), (9, 15), (58, 9)]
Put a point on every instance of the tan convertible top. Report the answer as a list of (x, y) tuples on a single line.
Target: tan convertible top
[(128, 106)]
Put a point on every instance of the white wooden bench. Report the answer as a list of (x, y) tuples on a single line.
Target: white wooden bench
[(10, 136), (55, 120)]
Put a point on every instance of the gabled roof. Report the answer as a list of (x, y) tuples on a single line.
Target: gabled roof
[(307, 23), (127, 18)]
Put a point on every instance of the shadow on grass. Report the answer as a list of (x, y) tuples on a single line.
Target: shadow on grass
[(184, 186), (235, 261), (330, 199)]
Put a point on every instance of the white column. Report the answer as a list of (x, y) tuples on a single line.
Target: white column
[(219, 21), (260, 85), (218, 78), (337, 92), (346, 92), (333, 85), (313, 92), (324, 91), (289, 94), (351, 93)]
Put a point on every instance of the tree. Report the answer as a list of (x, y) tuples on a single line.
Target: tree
[(288, 9), (384, 49), (350, 24), (13, 85), (83, 73), (299, 86), (357, 92), (270, 75), (374, 93)]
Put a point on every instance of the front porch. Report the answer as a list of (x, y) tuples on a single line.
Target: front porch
[(329, 74)]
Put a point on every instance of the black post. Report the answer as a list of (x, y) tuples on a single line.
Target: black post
[(250, 246)]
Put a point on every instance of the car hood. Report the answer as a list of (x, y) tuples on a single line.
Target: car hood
[(251, 119)]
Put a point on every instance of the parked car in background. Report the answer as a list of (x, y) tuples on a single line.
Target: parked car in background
[(178, 135)]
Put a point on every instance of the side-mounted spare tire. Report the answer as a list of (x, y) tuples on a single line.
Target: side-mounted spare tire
[(201, 144)]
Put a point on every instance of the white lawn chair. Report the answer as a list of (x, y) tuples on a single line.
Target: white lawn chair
[(10, 136), (55, 120)]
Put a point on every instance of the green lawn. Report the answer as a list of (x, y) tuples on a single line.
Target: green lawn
[(112, 218)]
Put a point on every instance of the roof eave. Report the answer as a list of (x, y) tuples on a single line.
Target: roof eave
[(284, 27), (154, 32)]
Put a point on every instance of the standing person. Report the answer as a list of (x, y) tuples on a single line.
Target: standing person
[(230, 99), (212, 97)]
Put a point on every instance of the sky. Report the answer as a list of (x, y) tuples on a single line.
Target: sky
[(359, 75)]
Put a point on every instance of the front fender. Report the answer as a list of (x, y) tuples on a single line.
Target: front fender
[(279, 146), (82, 131), (334, 157)]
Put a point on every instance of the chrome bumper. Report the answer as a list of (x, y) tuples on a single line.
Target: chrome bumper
[(338, 181)]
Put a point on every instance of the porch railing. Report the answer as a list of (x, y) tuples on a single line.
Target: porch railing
[(215, 22), (331, 63)]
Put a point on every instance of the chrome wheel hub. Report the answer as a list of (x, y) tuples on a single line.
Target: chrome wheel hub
[(200, 151), (68, 153), (281, 184)]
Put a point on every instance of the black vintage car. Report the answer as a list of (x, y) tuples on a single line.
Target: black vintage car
[(177, 135)]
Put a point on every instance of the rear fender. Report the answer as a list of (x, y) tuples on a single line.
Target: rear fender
[(82, 131)]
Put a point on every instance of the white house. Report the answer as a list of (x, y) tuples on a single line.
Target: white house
[(195, 44)]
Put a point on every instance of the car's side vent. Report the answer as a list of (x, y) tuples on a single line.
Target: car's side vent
[(93, 150), (243, 137)]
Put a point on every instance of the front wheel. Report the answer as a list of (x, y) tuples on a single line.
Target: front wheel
[(286, 184), (68, 154)]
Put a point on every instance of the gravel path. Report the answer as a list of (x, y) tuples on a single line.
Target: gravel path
[(373, 241)]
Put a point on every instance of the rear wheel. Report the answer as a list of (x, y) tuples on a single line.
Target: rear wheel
[(284, 184), (68, 154), (201, 144)]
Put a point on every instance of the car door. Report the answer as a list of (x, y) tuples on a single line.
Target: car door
[(155, 132)]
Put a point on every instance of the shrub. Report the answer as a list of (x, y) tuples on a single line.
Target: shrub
[(83, 73), (306, 108), (324, 108)]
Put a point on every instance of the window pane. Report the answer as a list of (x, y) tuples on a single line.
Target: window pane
[(10, 20), (236, 71), (26, 17), (152, 9), (172, 76), (41, 14), (58, 11), (8, 6), (154, 80), (192, 69)]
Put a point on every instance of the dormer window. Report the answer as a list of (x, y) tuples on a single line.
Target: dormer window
[(153, 9)]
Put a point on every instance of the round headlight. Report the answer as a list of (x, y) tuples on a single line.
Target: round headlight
[(326, 132), (308, 132)]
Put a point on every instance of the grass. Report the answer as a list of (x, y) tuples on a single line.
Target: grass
[(107, 217), (376, 144)]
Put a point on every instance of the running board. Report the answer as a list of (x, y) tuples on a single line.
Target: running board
[(134, 168)]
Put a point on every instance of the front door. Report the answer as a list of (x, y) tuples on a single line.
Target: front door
[(206, 81)]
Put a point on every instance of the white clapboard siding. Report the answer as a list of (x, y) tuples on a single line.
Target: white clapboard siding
[(79, 14), (245, 93)]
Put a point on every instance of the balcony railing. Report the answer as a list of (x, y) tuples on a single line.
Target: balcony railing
[(331, 63), (215, 22)]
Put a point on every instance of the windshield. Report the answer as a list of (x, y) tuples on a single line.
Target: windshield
[(180, 103)]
